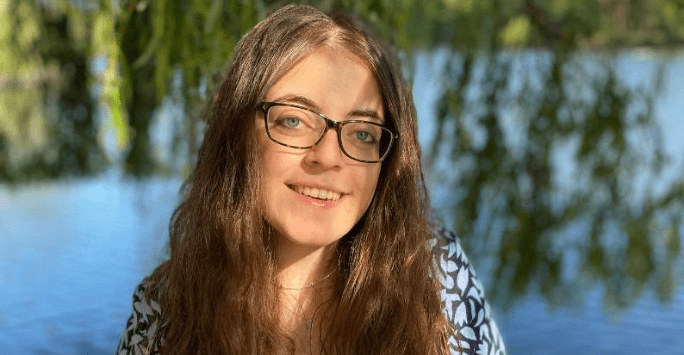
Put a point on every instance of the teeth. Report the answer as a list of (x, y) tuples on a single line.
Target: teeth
[(317, 193)]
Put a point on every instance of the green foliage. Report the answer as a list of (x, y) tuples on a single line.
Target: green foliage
[(516, 32), (111, 80), (46, 126)]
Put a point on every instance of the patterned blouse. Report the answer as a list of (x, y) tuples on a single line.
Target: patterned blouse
[(462, 297)]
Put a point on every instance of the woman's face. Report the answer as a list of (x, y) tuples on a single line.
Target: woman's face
[(313, 197)]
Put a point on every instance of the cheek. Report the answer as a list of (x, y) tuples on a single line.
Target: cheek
[(370, 182), (268, 170), (268, 158)]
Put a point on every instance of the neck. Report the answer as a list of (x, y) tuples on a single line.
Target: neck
[(299, 266)]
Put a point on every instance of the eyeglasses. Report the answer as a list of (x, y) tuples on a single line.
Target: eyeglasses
[(298, 127)]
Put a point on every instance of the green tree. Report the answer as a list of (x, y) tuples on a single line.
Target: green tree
[(47, 126)]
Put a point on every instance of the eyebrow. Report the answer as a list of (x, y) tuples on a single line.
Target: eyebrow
[(372, 114)]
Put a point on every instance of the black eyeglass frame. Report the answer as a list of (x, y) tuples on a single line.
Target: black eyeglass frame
[(265, 106)]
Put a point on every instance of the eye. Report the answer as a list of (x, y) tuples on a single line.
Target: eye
[(364, 136), (290, 122)]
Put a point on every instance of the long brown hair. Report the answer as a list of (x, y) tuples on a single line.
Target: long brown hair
[(218, 292)]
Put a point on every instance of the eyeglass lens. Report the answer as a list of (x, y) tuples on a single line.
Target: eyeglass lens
[(299, 128)]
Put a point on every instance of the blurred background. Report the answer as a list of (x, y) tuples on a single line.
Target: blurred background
[(552, 134)]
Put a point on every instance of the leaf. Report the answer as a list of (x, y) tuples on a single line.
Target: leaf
[(147, 54), (214, 12), (517, 32), (104, 45)]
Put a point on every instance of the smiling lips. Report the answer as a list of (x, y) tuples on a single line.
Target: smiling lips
[(317, 193)]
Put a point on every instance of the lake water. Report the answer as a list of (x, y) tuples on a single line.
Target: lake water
[(71, 253)]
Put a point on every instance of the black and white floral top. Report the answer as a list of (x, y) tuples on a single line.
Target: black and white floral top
[(462, 298)]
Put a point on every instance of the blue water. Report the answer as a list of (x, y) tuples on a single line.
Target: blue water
[(72, 252), (70, 255), (648, 327)]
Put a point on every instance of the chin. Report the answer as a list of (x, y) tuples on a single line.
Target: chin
[(313, 237)]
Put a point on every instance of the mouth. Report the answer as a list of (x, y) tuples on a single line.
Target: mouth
[(316, 193)]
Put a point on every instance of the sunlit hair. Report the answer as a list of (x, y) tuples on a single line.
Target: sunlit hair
[(218, 290)]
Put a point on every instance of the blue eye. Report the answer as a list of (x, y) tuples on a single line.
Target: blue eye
[(291, 122), (364, 136)]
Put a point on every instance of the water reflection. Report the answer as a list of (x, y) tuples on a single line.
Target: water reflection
[(552, 163)]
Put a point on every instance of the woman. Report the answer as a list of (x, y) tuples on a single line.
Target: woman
[(304, 228)]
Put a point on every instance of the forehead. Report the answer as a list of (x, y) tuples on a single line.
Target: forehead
[(332, 80)]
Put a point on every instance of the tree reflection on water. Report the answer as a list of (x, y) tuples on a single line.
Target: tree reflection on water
[(551, 162)]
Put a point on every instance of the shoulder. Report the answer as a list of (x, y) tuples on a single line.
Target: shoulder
[(463, 298), (143, 324)]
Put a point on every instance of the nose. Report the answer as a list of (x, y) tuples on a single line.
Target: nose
[(327, 153)]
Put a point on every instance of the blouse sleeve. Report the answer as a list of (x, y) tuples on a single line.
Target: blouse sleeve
[(137, 337), (463, 300)]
